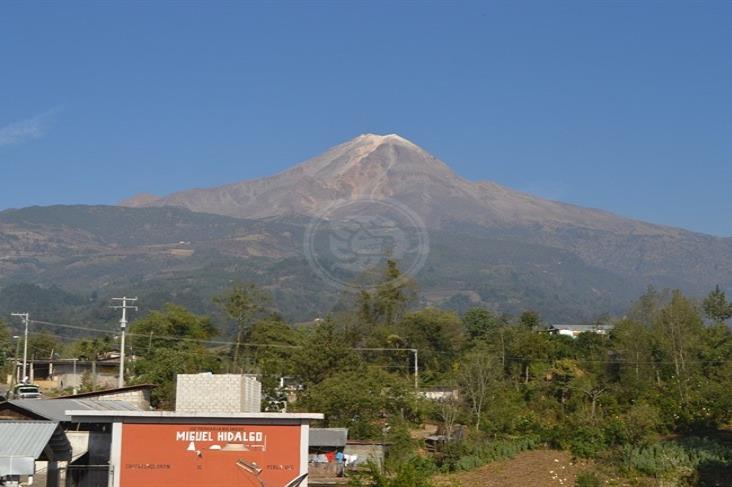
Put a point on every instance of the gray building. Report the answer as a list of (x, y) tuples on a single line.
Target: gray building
[(87, 462)]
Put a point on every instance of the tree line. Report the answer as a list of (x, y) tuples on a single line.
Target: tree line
[(665, 367)]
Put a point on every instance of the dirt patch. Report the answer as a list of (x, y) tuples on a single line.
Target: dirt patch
[(531, 468)]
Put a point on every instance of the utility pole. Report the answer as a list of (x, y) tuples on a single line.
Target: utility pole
[(26, 318), (123, 325), (416, 368), (14, 381), (76, 383)]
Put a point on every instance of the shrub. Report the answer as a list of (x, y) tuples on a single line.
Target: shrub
[(467, 456), (676, 459), (587, 442), (587, 479), (408, 474)]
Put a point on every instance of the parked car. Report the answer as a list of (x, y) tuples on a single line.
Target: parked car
[(25, 391)]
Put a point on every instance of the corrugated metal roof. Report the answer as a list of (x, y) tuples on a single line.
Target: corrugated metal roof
[(21, 443), (25, 438), (328, 436), (55, 409)]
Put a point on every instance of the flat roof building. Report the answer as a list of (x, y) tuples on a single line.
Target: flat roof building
[(167, 448)]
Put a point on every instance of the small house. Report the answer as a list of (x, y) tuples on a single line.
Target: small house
[(574, 331)]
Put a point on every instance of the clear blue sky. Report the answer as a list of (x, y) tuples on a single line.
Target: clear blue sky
[(624, 106)]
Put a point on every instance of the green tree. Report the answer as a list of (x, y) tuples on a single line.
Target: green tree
[(360, 399), (716, 306), (164, 363), (274, 345), (6, 344), (530, 319), (634, 358), (561, 379), (242, 304), (648, 306), (711, 400), (388, 302), (479, 322), (437, 334), (479, 374), (530, 352), (90, 348), (170, 342), (593, 350), (324, 352), (43, 345), (678, 331), (172, 327)]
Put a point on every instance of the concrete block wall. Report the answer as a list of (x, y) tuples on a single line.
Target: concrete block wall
[(218, 393), (138, 397)]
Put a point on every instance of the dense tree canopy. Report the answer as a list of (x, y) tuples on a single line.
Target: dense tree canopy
[(716, 306), (243, 303), (6, 343), (170, 342), (661, 369)]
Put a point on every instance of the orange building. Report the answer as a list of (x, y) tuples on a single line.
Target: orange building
[(166, 449)]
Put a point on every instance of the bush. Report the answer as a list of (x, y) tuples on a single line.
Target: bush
[(587, 479), (459, 456), (409, 474), (587, 442), (675, 460)]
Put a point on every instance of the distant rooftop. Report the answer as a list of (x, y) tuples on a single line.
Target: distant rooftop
[(55, 409), (108, 392), (175, 416), (563, 326), (333, 437)]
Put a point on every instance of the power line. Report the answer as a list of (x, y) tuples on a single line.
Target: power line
[(164, 337), (615, 361), (188, 339), (583, 360), (73, 327), (427, 352)]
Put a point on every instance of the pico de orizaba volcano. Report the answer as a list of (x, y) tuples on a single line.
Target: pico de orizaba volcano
[(488, 245)]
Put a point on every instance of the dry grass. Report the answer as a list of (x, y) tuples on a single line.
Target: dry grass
[(530, 468)]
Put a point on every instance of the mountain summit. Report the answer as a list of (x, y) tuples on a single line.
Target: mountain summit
[(386, 166), (390, 166), (368, 166)]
